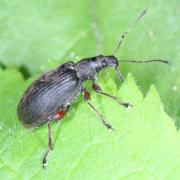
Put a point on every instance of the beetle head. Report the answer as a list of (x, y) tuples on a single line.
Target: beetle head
[(103, 62), (107, 61)]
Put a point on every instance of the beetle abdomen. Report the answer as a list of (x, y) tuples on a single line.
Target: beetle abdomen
[(51, 92)]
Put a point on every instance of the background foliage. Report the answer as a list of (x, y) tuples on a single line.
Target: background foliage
[(40, 34)]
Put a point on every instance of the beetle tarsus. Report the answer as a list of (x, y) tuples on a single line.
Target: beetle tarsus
[(45, 159), (109, 127), (127, 105)]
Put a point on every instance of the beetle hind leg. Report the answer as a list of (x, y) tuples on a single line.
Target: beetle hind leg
[(57, 116), (50, 147)]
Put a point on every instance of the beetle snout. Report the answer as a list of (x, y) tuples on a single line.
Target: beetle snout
[(112, 61)]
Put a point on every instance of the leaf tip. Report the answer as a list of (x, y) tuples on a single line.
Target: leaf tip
[(129, 80), (130, 77), (153, 96), (153, 90)]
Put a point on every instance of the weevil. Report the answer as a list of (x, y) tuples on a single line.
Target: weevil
[(50, 96)]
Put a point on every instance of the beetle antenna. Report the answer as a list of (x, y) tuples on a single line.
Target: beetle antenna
[(129, 29), (146, 61)]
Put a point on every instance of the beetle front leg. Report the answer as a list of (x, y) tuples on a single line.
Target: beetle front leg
[(97, 88), (87, 98)]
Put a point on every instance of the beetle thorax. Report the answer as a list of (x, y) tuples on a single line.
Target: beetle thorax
[(86, 70)]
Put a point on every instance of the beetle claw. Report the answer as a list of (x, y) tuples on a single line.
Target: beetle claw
[(127, 105), (109, 127)]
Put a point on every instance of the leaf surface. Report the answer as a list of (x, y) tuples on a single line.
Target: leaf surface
[(144, 145)]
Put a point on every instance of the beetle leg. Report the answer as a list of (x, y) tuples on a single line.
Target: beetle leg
[(87, 95), (50, 147), (97, 88), (49, 137), (103, 119), (60, 113)]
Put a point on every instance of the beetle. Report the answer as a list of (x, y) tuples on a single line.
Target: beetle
[(50, 96)]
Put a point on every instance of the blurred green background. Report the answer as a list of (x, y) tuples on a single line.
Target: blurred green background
[(34, 32)]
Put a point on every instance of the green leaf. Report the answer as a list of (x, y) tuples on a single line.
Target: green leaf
[(144, 145)]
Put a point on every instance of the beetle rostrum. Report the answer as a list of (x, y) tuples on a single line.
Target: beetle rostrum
[(50, 96)]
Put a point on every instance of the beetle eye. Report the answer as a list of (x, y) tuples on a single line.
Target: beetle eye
[(104, 63)]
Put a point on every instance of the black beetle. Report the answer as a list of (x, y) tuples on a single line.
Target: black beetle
[(49, 97)]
